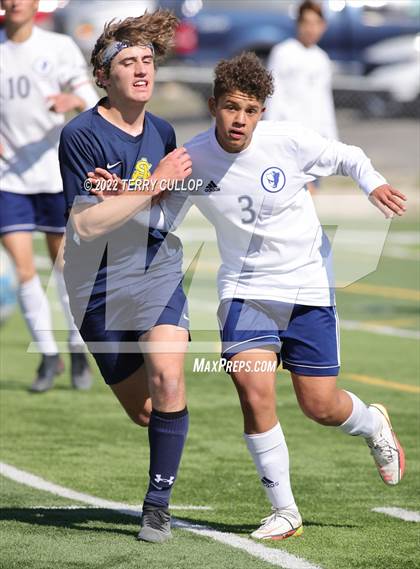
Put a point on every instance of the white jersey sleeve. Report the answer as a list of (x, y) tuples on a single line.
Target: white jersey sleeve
[(73, 72), (168, 213), (320, 157), (175, 207)]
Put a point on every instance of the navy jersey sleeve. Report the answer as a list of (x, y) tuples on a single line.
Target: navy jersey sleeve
[(77, 158)]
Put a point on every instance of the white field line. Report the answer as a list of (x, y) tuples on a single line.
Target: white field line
[(41, 484), (398, 252), (276, 557), (406, 515), (211, 307), (378, 329), (402, 238), (42, 507)]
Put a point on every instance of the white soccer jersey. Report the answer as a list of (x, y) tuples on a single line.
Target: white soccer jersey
[(30, 71), (302, 81), (270, 239)]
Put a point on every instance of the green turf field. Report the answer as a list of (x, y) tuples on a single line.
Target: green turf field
[(84, 442)]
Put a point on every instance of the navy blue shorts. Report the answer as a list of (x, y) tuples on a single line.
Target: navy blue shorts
[(116, 351), (41, 212), (306, 338)]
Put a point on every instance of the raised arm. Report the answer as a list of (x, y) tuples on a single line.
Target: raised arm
[(320, 157)]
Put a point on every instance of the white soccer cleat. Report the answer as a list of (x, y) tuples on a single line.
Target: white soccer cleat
[(386, 450), (279, 525)]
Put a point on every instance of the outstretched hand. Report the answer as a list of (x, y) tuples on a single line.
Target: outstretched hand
[(113, 184), (389, 200), (176, 165)]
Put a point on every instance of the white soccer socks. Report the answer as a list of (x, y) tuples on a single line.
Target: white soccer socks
[(36, 311), (362, 421), (271, 457), (75, 339)]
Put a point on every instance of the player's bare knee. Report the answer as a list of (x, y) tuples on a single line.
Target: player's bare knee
[(319, 411), (25, 274), (256, 401), (166, 384)]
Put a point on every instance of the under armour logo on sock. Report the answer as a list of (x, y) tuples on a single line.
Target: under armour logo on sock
[(159, 478)]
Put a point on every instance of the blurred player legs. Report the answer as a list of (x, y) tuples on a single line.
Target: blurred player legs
[(44, 76)]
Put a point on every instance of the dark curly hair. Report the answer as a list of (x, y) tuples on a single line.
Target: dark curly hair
[(157, 29), (244, 73)]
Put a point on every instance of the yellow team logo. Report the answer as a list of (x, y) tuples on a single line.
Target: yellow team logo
[(141, 170)]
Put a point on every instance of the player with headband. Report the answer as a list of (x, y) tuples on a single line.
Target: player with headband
[(125, 283)]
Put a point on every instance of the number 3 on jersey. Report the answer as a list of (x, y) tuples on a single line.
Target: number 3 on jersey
[(248, 213)]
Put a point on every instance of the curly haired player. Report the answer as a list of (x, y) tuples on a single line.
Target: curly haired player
[(275, 282)]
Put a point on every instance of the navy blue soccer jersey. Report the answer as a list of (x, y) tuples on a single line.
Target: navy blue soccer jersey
[(121, 257)]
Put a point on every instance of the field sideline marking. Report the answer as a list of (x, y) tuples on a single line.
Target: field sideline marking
[(276, 557), (380, 329), (377, 329), (383, 382), (400, 513), (41, 484), (400, 293), (373, 328)]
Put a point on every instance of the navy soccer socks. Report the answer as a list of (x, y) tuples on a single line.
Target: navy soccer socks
[(167, 434)]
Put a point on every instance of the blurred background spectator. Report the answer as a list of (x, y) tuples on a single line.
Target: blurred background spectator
[(302, 75), (374, 45)]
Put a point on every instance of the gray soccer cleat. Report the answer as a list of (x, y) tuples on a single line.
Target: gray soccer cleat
[(49, 367), (81, 376), (155, 525)]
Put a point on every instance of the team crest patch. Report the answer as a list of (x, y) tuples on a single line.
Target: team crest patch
[(273, 179), (141, 170), (42, 66)]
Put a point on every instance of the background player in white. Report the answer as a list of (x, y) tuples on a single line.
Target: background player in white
[(302, 76), (36, 66), (275, 282)]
